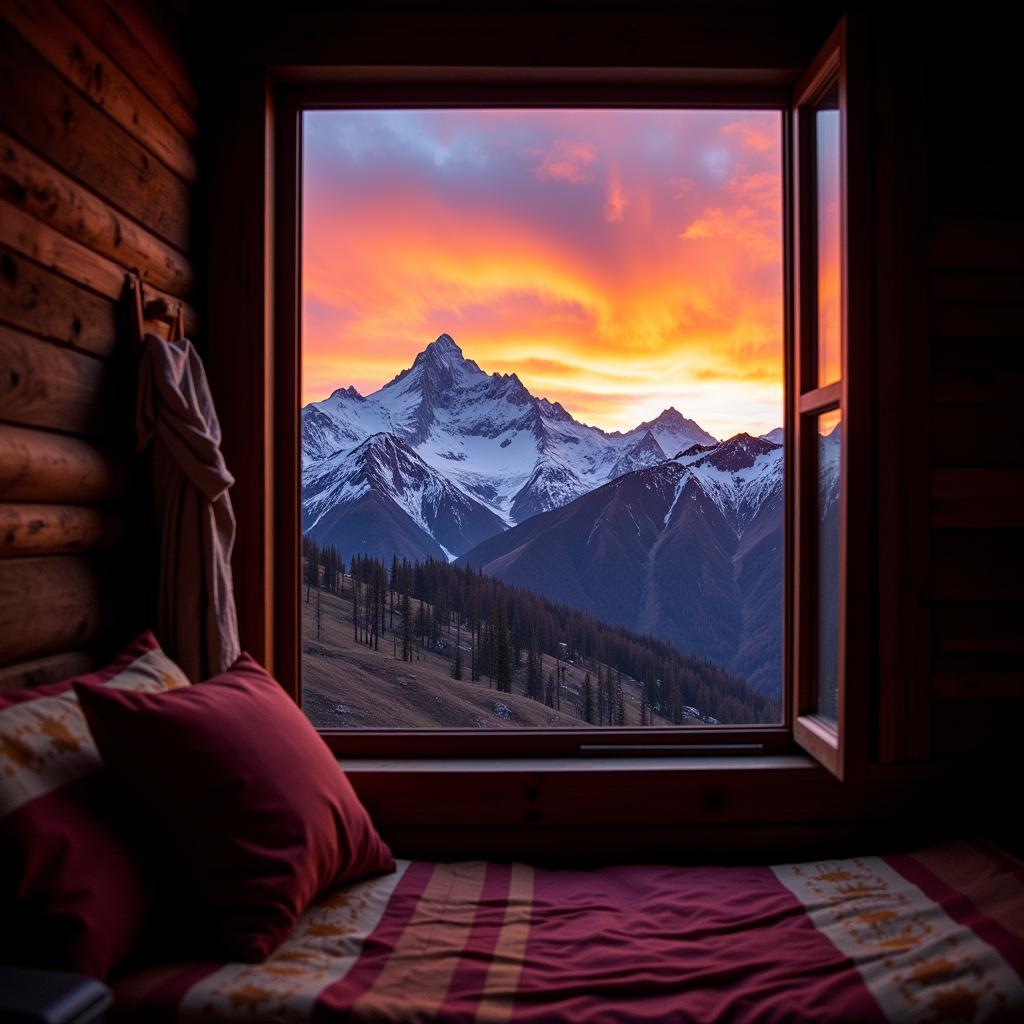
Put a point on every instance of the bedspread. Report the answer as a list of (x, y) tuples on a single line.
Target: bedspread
[(936, 935)]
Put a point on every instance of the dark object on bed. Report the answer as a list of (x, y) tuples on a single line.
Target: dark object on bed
[(72, 888), (31, 996)]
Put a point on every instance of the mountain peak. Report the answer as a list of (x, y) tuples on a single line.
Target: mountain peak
[(349, 392), (445, 343), (738, 452), (673, 430), (443, 354)]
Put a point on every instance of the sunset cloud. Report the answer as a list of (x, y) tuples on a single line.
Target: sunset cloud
[(615, 202), (654, 280), (566, 161), (682, 185), (754, 138)]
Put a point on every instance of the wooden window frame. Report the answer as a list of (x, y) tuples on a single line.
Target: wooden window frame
[(289, 92), (842, 747)]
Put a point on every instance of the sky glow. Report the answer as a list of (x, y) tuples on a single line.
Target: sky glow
[(620, 261)]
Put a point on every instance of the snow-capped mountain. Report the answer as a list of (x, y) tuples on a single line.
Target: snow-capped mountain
[(486, 434), (738, 475), (689, 550), (380, 498)]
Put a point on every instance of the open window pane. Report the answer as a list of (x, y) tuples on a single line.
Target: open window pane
[(827, 526), (829, 235), (541, 447)]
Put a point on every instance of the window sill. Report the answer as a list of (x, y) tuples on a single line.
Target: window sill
[(711, 765), (575, 811)]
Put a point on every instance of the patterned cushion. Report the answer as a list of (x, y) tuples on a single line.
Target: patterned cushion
[(72, 895), (259, 815)]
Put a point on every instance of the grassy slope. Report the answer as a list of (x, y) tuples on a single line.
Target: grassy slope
[(349, 685)]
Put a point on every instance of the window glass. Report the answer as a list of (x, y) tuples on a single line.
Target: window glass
[(542, 374), (828, 428), (829, 234)]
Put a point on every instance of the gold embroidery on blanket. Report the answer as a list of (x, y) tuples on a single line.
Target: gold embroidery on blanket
[(323, 945), (882, 922), (15, 750), (45, 743), (62, 738), (250, 997)]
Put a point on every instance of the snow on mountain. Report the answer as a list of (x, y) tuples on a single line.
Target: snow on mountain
[(381, 498), (673, 431), (738, 475), (645, 452), (486, 434)]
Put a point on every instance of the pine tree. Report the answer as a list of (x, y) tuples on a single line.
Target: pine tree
[(501, 650), (534, 674), (406, 628), (588, 700)]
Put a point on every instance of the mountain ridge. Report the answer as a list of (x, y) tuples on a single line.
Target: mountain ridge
[(617, 553), (515, 453)]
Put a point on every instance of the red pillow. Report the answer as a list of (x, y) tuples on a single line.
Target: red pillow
[(72, 895), (246, 793)]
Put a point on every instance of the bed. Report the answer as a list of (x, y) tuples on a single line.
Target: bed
[(936, 935)]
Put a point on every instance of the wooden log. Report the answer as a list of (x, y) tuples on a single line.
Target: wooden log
[(972, 629), (52, 117), (58, 529), (978, 685), (977, 498), (49, 248), (71, 52), (994, 372), (954, 286), (56, 388), (977, 565), (50, 605), (44, 303), (974, 727), (42, 467), (979, 320), (139, 50), (974, 243), (37, 187), (51, 669), (978, 514), (981, 438), (974, 385)]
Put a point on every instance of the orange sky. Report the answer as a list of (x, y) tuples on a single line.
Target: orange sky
[(618, 261)]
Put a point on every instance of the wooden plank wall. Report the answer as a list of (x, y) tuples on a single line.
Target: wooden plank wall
[(98, 171), (975, 396)]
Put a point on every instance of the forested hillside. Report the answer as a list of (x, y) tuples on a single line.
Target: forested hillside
[(491, 631)]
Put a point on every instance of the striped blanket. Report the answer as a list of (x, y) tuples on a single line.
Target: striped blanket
[(932, 936)]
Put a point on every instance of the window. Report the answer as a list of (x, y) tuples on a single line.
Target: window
[(576, 518), (828, 408), (825, 427)]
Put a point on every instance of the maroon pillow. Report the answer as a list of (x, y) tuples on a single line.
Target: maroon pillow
[(72, 892), (245, 793)]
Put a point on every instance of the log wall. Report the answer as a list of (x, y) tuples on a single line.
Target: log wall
[(98, 174), (975, 397)]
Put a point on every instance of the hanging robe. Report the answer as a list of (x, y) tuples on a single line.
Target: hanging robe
[(176, 420)]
